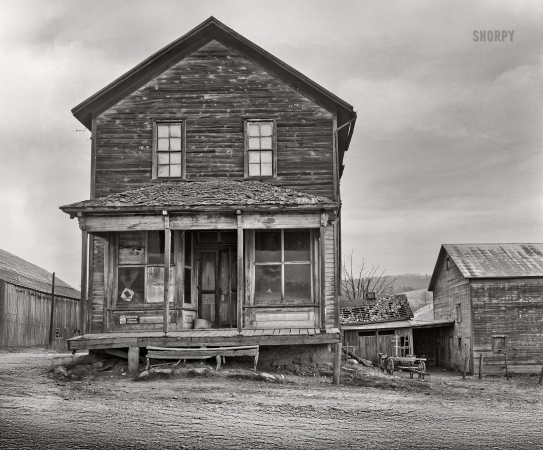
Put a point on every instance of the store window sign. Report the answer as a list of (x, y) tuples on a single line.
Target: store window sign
[(126, 320)]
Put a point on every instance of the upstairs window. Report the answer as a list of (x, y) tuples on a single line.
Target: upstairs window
[(260, 148), (168, 150)]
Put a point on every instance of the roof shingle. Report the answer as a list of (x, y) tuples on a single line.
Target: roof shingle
[(200, 194)]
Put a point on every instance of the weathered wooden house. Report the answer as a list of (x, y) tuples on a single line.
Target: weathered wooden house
[(214, 195), (494, 295), (25, 306)]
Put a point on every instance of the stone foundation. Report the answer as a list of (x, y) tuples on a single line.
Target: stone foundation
[(296, 358)]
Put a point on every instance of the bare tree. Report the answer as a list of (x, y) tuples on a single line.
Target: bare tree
[(358, 281)]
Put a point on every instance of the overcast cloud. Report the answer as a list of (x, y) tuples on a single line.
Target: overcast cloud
[(447, 147)]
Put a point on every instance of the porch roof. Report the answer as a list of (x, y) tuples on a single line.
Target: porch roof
[(208, 337), (200, 194)]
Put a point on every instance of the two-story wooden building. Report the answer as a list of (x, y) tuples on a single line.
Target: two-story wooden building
[(493, 293), (215, 195)]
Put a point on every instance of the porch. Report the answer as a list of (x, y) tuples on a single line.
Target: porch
[(208, 337)]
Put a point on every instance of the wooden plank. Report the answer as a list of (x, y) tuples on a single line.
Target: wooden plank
[(284, 332), (240, 280), (281, 220), (294, 331), (83, 311)]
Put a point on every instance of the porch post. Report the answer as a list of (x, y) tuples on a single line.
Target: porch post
[(240, 273), (324, 219), (83, 303), (167, 261)]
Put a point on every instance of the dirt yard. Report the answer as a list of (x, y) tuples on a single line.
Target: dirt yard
[(106, 409)]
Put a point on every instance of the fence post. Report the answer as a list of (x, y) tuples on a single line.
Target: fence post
[(52, 311), (480, 366)]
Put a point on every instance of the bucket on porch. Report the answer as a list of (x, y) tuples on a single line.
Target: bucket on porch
[(201, 324)]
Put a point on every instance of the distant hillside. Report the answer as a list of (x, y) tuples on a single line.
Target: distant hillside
[(410, 282)]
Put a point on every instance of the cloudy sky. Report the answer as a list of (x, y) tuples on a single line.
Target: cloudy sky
[(447, 147)]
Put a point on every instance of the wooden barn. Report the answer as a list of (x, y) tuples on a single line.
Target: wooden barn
[(214, 196), (388, 325), (25, 306), (494, 294)]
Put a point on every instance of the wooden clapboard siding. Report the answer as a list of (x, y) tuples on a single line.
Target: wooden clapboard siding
[(511, 307), (97, 300), (450, 290), (25, 317), (212, 90), (330, 275)]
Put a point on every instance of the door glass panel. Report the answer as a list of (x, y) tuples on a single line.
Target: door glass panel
[(132, 247), (188, 285), (208, 272), (267, 284), (188, 248), (297, 282), (155, 285), (131, 285), (297, 245), (267, 246)]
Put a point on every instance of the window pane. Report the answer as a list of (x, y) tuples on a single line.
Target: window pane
[(266, 142), (131, 285), (253, 129), (208, 237), (267, 284), (297, 282), (162, 130), (254, 143), (155, 285), (297, 245), (163, 144), (155, 247), (175, 170), (164, 158), (266, 157), (254, 157), (175, 158), (267, 246), (132, 247), (163, 171), (188, 286), (266, 129), (266, 170), (254, 170), (175, 130), (175, 144)]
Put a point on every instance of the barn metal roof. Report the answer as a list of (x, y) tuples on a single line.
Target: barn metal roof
[(186, 194), (17, 271), (493, 260)]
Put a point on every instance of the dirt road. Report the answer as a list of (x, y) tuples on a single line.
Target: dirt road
[(39, 410)]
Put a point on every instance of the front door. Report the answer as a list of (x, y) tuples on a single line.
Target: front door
[(217, 298)]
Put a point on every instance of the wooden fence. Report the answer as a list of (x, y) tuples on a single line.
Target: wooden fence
[(25, 318)]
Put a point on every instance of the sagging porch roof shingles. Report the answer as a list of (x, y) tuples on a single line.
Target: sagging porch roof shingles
[(200, 195)]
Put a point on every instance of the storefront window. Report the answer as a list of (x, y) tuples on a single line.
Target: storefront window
[(282, 267)]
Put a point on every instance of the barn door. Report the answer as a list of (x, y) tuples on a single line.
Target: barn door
[(385, 342), (367, 343), (217, 288)]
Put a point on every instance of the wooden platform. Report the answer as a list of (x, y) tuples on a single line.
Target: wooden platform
[(210, 337)]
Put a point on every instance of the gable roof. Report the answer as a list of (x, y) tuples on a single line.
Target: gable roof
[(17, 271), (201, 195), (212, 29), (492, 260), (385, 308)]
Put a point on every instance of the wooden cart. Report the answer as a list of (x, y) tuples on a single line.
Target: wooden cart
[(411, 364)]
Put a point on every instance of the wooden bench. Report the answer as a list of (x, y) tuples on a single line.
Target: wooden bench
[(201, 353)]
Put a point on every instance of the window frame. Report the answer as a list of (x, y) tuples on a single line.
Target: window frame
[(146, 304), (246, 149), (283, 301), (459, 312), (156, 123)]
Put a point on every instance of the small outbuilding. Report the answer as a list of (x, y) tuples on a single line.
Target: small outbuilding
[(494, 295), (388, 325), (25, 306)]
